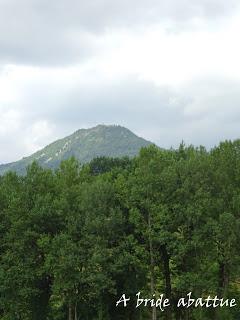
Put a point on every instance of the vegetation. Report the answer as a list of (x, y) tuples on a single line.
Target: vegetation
[(75, 239)]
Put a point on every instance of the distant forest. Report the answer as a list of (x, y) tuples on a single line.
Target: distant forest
[(73, 240)]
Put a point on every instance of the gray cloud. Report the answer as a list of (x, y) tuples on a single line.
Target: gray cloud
[(156, 113), (39, 105), (63, 32)]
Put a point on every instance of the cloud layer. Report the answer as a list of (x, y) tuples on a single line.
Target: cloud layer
[(167, 70), (64, 31)]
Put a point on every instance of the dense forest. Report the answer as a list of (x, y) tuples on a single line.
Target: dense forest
[(73, 240)]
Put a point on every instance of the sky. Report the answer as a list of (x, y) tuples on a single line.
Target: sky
[(167, 70)]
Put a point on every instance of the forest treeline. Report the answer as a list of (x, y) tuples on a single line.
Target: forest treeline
[(72, 241)]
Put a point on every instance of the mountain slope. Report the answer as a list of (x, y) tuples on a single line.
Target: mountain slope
[(84, 144)]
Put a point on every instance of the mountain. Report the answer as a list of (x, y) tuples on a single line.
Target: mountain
[(84, 144)]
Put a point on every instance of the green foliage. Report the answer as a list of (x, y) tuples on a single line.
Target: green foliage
[(73, 240)]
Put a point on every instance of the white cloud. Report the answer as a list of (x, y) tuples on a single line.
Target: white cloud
[(9, 122), (38, 135), (169, 71)]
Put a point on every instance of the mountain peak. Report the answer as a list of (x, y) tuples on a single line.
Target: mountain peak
[(84, 144), (104, 127)]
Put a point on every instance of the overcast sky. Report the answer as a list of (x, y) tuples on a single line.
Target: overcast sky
[(168, 70)]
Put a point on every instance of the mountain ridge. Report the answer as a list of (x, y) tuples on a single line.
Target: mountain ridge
[(85, 145)]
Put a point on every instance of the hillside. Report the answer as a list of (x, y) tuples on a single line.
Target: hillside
[(84, 144)]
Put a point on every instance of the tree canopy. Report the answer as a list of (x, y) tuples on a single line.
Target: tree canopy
[(74, 240)]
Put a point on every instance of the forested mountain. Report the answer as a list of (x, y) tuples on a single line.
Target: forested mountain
[(84, 145), (75, 239)]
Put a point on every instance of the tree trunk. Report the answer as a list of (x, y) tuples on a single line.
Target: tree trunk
[(100, 311), (223, 279), (167, 277), (70, 315), (75, 312), (152, 264)]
